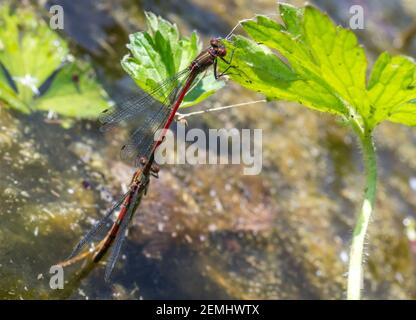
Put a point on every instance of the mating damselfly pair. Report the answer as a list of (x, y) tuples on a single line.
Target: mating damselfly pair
[(154, 116)]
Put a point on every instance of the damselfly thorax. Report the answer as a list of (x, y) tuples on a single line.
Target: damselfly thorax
[(208, 57)]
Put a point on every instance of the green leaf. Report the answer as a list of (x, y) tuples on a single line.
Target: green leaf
[(258, 68), (392, 87), (404, 114), (74, 93), (310, 60), (292, 18), (341, 60), (160, 53), (31, 52)]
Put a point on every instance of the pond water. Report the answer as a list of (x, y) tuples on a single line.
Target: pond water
[(207, 231)]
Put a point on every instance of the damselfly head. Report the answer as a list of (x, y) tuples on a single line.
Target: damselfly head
[(215, 42), (218, 47)]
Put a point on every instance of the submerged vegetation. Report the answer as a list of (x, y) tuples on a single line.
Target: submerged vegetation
[(38, 73)]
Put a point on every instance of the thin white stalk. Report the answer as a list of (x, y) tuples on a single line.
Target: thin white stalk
[(355, 269), (181, 116)]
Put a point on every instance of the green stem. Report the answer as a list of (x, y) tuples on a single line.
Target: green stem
[(355, 269)]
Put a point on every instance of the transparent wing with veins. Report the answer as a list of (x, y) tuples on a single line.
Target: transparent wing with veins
[(105, 222), (121, 235), (144, 112)]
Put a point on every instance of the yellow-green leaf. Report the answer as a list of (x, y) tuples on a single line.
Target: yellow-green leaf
[(310, 60), (392, 86)]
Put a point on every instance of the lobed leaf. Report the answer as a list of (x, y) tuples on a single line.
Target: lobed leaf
[(391, 89), (160, 53), (310, 60)]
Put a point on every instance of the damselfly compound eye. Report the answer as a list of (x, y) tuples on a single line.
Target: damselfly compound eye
[(214, 43), (221, 51)]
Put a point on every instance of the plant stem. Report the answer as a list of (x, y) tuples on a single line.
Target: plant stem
[(355, 269)]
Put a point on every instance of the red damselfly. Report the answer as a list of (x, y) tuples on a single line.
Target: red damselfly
[(152, 112)]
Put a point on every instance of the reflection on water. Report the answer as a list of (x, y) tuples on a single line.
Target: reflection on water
[(202, 231)]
